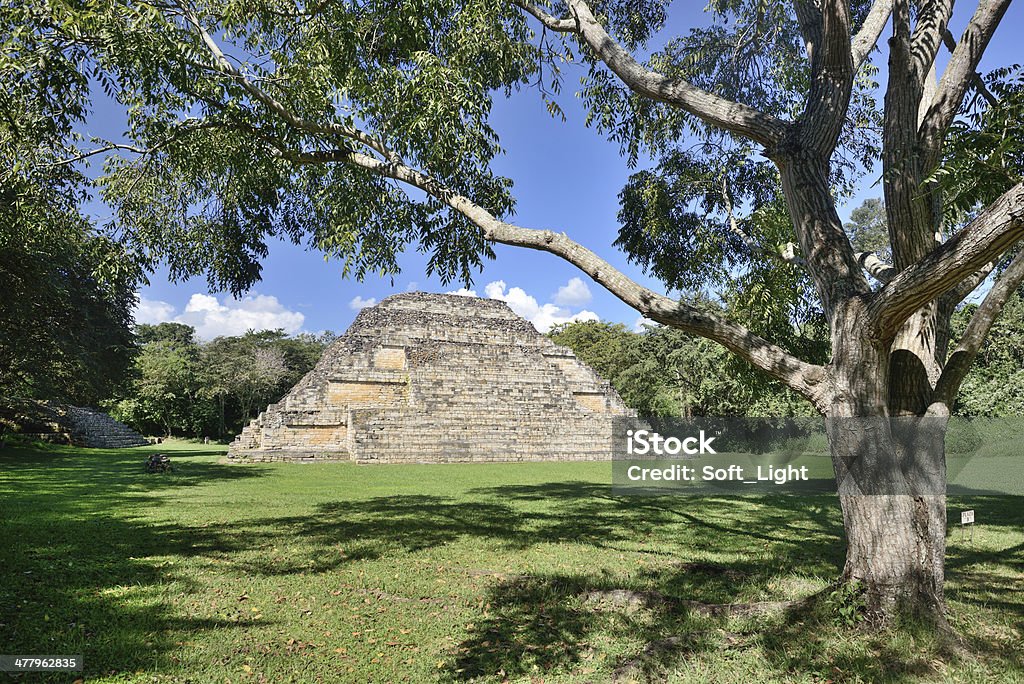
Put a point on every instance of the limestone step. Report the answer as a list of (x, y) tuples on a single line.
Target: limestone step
[(95, 429)]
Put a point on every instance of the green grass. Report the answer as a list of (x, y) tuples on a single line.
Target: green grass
[(339, 573)]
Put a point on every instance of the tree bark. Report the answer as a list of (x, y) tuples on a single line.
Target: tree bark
[(890, 470), (891, 476), (895, 547)]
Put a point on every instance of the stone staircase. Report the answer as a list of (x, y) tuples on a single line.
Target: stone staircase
[(95, 429)]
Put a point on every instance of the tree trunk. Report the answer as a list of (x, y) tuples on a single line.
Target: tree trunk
[(222, 423), (895, 550), (890, 471)]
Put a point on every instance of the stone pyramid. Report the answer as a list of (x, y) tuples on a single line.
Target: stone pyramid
[(439, 378)]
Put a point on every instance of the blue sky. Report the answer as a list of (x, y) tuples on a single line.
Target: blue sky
[(567, 178)]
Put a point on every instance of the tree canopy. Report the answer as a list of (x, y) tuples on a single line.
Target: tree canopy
[(65, 328)]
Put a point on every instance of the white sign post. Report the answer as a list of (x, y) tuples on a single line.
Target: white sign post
[(967, 519)]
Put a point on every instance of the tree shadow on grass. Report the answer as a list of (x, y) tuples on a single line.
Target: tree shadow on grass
[(579, 513), (72, 548), (987, 576), (76, 575), (552, 624)]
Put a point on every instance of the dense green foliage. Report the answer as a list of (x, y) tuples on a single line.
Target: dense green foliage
[(995, 384), (65, 324), (488, 573), (66, 292), (210, 389), (984, 151), (210, 187), (212, 164)]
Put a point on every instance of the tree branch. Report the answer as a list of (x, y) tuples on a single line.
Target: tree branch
[(958, 76), (970, 284), (186, 126), (718, 111), (564, 25), (808, 17), (963, 356), (932, 18), (867, 37), (223, 65), (875, 267), (976, 80), (110, 147), (786, 253), (832, 75), (996, 229), (804, 378)]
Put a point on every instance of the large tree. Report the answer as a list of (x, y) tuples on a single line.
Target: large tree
[(362, 127)]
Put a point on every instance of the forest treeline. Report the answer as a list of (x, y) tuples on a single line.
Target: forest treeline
[(664, 372), (179, 385)]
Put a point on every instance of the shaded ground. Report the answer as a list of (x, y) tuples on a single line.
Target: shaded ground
[(524, 572)]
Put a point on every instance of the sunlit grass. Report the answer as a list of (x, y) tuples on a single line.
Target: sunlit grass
[(327, 573)]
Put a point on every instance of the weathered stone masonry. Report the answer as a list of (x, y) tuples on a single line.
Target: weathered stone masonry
[(439, 378)]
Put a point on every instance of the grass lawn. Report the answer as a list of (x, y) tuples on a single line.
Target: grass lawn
[(342, 573)]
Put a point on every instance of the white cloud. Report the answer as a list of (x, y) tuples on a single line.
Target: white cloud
[(543, 316), (463, 292), (152, 311), (573, 293), (639, 323), (212, 317), (358, 302)]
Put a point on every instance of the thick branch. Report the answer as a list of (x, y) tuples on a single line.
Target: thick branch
[(958, 75), (713, 109), (970, 284), (875, 267), (991, 233), (976, 80), (866, 39), (832, 75), (808, 16), (977, 330), (932, 18), (550, 22), (910, 213), (802, 377)]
